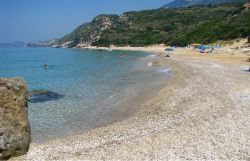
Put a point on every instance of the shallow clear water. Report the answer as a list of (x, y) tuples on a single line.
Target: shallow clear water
[(99, 87)]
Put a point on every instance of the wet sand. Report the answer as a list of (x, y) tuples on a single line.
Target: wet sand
[(202, 114)]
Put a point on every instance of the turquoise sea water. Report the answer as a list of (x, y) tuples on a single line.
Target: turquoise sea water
[(99, 87)]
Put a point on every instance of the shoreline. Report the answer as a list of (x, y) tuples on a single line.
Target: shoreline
[(199, 114), (117, 107), (154, 48), (224, 55)]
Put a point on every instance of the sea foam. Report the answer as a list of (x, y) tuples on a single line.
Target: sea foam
[(152, 56), (150, 64), (164, 70)]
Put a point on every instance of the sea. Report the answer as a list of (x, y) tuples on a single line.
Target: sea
[(96, 87)]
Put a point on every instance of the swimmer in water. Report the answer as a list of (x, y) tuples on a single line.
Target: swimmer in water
[(45, 66)]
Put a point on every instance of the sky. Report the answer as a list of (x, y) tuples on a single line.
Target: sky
[(31, 20)]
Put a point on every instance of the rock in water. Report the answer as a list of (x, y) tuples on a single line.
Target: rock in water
[(14, 125), (43, 95)]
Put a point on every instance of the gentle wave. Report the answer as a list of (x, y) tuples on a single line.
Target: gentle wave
[(149, 64), (164, 70), (152, 56)]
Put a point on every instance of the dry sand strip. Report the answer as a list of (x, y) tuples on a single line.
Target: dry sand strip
[(202, 113)]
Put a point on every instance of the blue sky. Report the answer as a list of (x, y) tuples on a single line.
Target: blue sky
[(27, 20)]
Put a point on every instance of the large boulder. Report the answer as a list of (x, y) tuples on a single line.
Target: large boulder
[(14, 125)]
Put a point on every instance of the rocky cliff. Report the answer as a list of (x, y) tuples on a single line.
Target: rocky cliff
[(14, 125), (88, 33)]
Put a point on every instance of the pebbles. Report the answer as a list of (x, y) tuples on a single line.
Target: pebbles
[(202, 114), (232, 51)]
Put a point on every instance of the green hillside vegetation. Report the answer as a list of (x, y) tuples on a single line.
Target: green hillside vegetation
[(178, 27)]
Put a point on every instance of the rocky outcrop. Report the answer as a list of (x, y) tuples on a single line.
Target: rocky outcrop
[(96, 28), (14, 125), (88, 33), (247, 5)]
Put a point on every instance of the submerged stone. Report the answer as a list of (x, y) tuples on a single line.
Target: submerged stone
[(43, 95)]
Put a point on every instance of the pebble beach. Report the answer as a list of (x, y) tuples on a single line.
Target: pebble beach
[(202, 113)]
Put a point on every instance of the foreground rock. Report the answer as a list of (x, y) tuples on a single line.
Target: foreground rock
[(14, 125), (43, 95)]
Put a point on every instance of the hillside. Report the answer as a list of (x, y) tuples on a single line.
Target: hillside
[(187, 3), (88, 33), (182, 26)]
